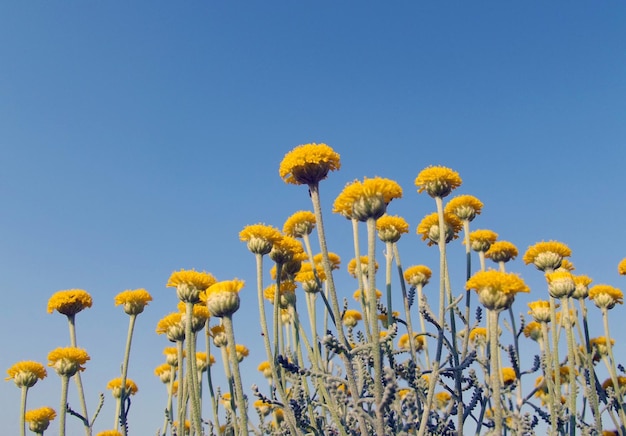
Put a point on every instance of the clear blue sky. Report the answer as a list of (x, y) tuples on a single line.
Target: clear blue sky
[(140, 138)]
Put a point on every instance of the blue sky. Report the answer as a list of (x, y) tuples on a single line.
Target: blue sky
[(140, 138)]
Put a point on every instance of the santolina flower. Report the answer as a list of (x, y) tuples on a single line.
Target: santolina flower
[(508, 376), (189, 284), (260, 238), (478, 335), (532, 330), (501, 251), (222, 298), (496, 290), (164, 372), (599, 347), (309, 278), (109, 433), (442, 399), (404, 344), (287, 249), (417, 275), (621, 267), (367, 199), (199, 313), (560, 283), (567, 265), (465, 207), (621, 381), (357, 295), (69, 302), (351, 318), (116, 387), (308, 164), (334, 259), (39, 419), (67, 361), (547, 256), (429, 227), (287, 294), (582, 286), (134, 301), (540, 310), (203, 361), (265, 369), (172, 326), (299, 224), (241, 352), (364, 266), (26, 373), (437, 181), (605, 296), (481, 240), (390, 228)]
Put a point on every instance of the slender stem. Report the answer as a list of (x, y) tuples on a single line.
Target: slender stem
[(571, 365), (181, 384), (77, 379), (388, 263), (24, 394), (553, 396), (593, 395), (240, 400), (468, 274), (192, 370), (494, 372), (613, 372), (120, 413), (207, 345), (65, 381)]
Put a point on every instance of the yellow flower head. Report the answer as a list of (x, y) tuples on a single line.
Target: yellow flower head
[(164, 372), (241, 352), (364, 260), (262, 407), (442, 399), (621, 267), (582, 286), (465, 207), (351, 317), (299, 224), (134, 301), (171, 355), (308, 278), (532, 330), (26, 373), (69, 302), (600, 348), (67, 361), (437, 181), (429, 227), (496, 290), (605, 296), (260, 238), (222, 298), (567, 265), (265, 369), (547, 256), (203, 361), (621, 382), (199, 314), (287, 249), (39, 419), (367, 199), (357, 295), (508, 376), (189, 284), (334, 259), (501, 251), (418, 342), (286, 296), (478, 335), (560, 283), (172, 326), (390, 228), (481, 240), (308, 164), (109, 433), (417, 275), (540, 310), (116, 387)]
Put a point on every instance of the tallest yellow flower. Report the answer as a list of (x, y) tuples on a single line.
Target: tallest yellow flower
[(308, 164)]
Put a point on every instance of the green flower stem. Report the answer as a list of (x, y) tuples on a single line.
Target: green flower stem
[(553, 396), (556, 364), (591, 388), (613, 372), (310, 302), (79, 383), (468, 274), (376, 349), (481, 258), (181, 384), (227, 322), (168, 410), (207, 345), (494, 372), (65, 381), (388, 264), (120, 414), (393, 249), (192, 370), (360, 280), (518, 390), (346, 357), (420, 298), (571, 365), (231, 385), (24, 394)]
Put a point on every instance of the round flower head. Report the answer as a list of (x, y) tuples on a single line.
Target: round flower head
[(621, 381), (442, 399), (532, 330), (567, 265), (351, 317), (260, 238), (26, 373), (109, 433), (218, 334), (540, 311), (203, 361), (599, 347), (478, 335), (621, 267), (262, 407), (352, 267), (428, 228), (172, 326), (309, 279), (133, 301), (373, 196), (241, 352), (390, 228), (265, 369), (299, 224), (287, 249), (404, 344), (308, 164), (222, 298), (67, 361), (286, 297), (334, 259), (605, 296), (437, 181), (417, 275), (508, 376), (357, 295), (171, 355), (501, 251), (560, 283), (496, 290), (582, 287), (164, 372), (39, 419), (199, 314), (481, 240), (69, 302), (547, 256), (465, 207), (116, 387), (189, 284)]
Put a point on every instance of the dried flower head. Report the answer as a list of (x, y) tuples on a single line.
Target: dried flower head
[(308, 164)]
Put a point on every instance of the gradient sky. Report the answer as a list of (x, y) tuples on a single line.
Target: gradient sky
[(140, 138)]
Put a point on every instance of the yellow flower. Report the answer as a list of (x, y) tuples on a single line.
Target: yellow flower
[(39, 419), (599, 347), (164, 372), (67, 361), (540, 311), (582, 286), (566, 264), (260, 238), (109, 433), (532, 330), (357, 294), (367, 199), (442, 399), (262, 407), (605, 296), (351, 317), (418, 342), (287, 249), (501, 251), (621, 267), (508, 376), (364, 265), (287, 294), (199, 313), (172, 326), (608, 383), (26, 373), (334, 259), (390, 228), (265, 369), (417, 275), (241, 352), (309, 278), (496, 290), (69, 302), (116, 387), (547, 255), (560, 283), (134, 301), (203, 361), (429, 227), (222, 298), (437, 181), (171, 355), (189, 284), (481, 240), (465, 207), (478, 335), (308, 164), (299, 224)]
